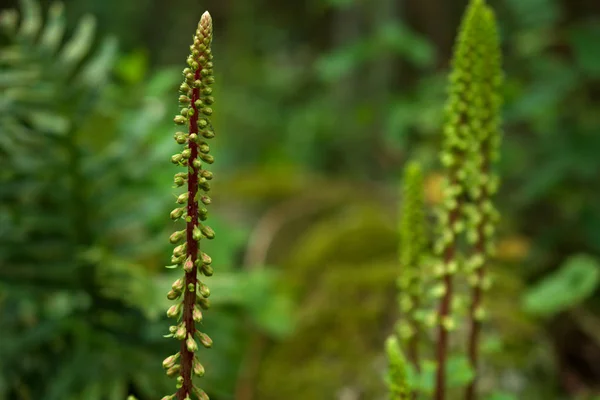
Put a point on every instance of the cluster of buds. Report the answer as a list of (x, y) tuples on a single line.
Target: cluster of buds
[(471, 141), (413, 242), (189, 292)]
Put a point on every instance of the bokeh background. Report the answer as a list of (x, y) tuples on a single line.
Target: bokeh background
[(319, 105)]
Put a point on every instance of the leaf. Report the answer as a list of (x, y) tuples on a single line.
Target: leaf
[(55, 27), (32, 19), (575, 280), (80, 43)]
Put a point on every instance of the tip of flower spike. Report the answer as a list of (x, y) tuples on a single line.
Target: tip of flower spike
[(206, 20)]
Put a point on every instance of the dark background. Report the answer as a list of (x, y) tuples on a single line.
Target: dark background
[(319, 104)]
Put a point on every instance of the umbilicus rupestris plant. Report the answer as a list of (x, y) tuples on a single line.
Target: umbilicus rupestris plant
[(189, 292)]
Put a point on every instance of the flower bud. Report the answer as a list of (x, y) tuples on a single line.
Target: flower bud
[(180, 137), (174, 370), (207, 91), (207, 270), (203, 290), (204, 339), (208, 134), (206, 174), (184, 87), (193, 138), (205, 200), (180, 120), (173, 295), (203, 302), (207, 111), (177, 213), (183, 99), (176, 158), (188, 265), (202, 123), (183, 198), (209, 100), (196, 234), (206, 259), (198, 368), (197, 163), (174, 311), (191, 344), (180, 250), (178, 181), (203, 214), (203, 148), (177, 285), (177, 236), (180, 332), (177, 259), (170, 361), (197, 314), (208, 232), (186, 153), (200, 394)]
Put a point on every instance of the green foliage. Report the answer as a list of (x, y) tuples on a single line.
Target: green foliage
[(82, 233), (575, 281)]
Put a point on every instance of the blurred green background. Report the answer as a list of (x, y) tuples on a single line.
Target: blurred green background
[(319, 104)]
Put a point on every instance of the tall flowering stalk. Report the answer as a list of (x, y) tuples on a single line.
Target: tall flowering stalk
[(412, 251), (189, 292), (396, 378), (466, 116), (481, 213)]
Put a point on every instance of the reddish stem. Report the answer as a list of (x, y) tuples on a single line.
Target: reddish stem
[(189, 300), (475, 329), (443, 313)]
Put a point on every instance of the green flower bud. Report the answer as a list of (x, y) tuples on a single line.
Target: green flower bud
[(188, 265), (191, 344), (198, 369), (170, 361), (207, 270), (186, 153), (196, 234), (203, 302), (203, 290), (208, 134), (174, 370), (204, 339), (183, 198), (177, 213), (176, 158), (174, 311), (197, 314), (200, 394), (205, 200), (206, 259), (180, 332), (176, 236), (172, 295), (183, 99), (203, 148), (206, 174), (208, 232)]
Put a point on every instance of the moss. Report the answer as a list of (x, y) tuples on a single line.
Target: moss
[(343, 272)]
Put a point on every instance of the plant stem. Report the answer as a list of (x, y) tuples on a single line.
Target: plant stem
[(187, 357)]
